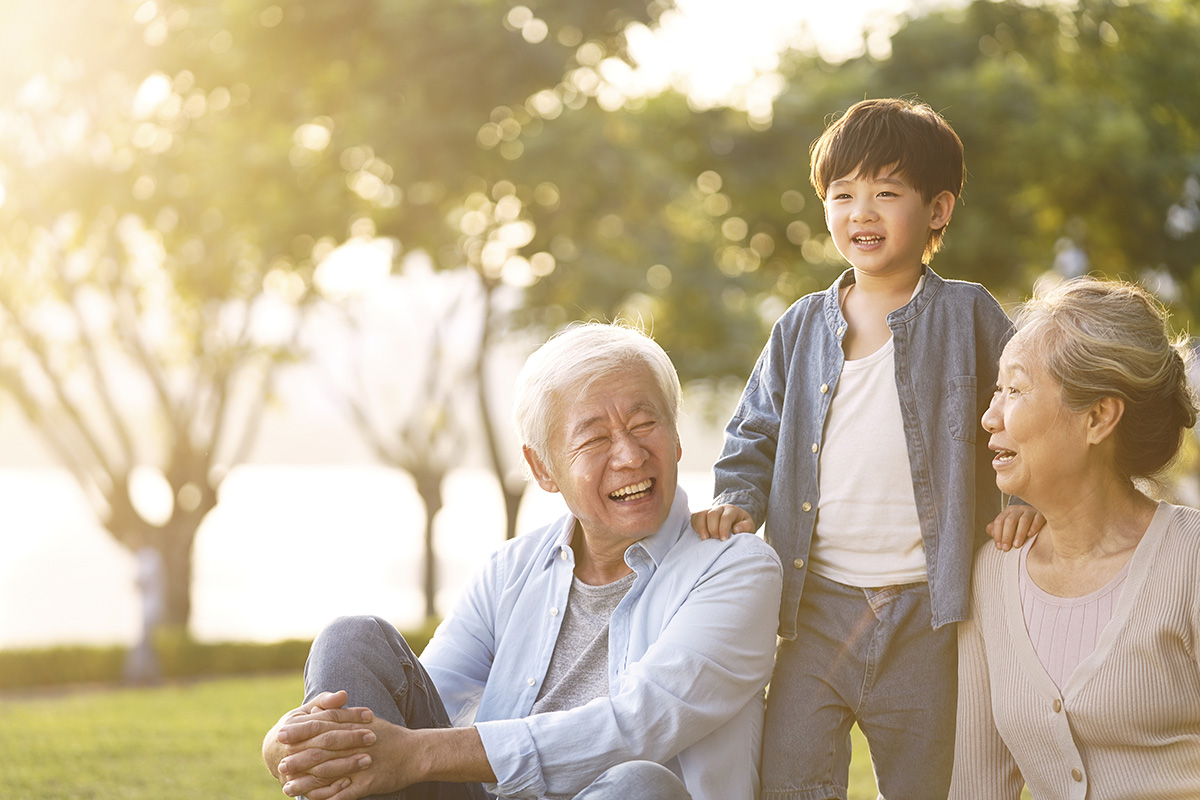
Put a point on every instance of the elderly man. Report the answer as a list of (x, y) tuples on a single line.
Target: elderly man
[(611, 654)]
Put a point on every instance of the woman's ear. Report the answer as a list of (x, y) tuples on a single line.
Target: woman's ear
[(1103, 417), (540, 473)]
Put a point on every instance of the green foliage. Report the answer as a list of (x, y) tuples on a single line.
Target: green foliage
[(179, 657)]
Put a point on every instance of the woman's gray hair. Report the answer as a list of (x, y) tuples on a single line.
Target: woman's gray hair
[(574, 359), (1100, 338)]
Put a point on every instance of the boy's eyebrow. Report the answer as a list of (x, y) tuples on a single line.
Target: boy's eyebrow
[(890, 178)]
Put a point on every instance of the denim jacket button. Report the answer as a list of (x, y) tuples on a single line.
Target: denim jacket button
[(798, 563)]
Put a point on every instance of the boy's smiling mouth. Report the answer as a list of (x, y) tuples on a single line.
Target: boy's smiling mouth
[(634, 491)]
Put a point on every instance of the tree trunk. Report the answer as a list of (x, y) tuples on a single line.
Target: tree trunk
[(175, 544), (512, 498), (429, 487)]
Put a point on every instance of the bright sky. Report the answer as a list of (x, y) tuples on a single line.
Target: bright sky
[(717, 51)]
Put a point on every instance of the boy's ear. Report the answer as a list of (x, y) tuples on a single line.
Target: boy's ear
[(940, 210)]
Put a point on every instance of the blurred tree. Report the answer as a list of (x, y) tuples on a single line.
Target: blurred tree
[(408, 417), (1080, 154), (171, 175)]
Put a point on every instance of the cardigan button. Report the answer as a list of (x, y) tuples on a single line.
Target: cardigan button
[(1057, 706), (1076, 774)]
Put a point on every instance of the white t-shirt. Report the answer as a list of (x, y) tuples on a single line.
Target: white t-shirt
[(867, 531)]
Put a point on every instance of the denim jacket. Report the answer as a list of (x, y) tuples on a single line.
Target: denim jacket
[(947, 342)]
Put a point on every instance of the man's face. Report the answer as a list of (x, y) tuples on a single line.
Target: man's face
[(614, 456)]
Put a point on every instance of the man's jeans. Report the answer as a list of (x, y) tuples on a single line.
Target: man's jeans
[(871, 656), (369, 658)]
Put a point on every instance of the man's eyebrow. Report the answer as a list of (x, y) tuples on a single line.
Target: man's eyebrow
[(580, 428)]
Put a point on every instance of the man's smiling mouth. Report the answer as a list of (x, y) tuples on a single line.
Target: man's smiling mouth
[(633, 491)]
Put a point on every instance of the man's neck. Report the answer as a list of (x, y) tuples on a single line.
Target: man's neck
[(597, 566)]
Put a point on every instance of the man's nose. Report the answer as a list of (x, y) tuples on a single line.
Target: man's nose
[(627, 451)]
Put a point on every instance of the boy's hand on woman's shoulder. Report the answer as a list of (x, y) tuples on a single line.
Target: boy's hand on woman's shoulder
[(719, 522), (1012, 527)]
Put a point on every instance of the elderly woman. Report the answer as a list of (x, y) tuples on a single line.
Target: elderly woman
[(1079, 667)]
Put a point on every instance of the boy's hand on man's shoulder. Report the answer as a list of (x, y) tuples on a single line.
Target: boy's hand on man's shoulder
[(1013, 526), (719, 522)]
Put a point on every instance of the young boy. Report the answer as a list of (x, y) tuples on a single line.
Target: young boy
[(857, 441)]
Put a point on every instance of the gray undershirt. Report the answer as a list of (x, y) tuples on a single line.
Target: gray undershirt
[(578, 671)]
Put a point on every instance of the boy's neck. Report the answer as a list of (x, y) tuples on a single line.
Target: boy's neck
[(900, 282), (866, 304)]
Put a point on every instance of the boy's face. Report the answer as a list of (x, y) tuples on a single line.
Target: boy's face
[(881, 224)]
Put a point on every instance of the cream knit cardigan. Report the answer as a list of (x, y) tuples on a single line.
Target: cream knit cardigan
[(1127, 723)]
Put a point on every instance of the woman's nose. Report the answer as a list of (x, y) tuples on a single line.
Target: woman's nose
[(993, 418)]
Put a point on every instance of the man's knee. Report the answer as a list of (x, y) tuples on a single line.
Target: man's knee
[(363, 640), (636, 780)]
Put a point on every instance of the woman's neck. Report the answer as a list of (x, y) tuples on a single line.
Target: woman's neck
[(1086, 542)]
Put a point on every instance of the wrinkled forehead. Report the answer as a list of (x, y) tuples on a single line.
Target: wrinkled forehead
[(628, 389)]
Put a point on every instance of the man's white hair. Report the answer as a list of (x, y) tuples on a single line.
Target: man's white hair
[(575, 358)]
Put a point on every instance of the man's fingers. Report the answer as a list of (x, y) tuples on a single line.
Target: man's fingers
[(307, 728)]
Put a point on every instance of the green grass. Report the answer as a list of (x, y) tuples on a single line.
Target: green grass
[(187, 740), (190, 740)]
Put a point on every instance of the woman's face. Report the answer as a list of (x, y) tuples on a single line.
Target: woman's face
[(1040, 444)]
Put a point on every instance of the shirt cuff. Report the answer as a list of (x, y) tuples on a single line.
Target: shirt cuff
[(513, 758)]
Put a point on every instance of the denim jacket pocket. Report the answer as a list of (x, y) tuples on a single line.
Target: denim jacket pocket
[(962, 410)]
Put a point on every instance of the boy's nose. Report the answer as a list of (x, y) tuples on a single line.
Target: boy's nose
[(863, 211)]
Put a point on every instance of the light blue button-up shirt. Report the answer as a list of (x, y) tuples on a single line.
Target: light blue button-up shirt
[(690, 649)]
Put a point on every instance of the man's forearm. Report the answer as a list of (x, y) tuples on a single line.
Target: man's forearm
[(451, 754)]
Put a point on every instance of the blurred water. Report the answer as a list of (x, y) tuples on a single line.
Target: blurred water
[(287, 549)]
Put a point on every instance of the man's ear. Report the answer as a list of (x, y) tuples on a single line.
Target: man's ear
[(1103, 417), (940, 210), (540, 473)]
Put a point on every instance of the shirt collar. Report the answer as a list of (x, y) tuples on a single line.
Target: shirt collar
[(656, 545)]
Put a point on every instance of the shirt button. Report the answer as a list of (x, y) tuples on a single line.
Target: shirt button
[(563, 555), (815, 448), (841, 330), (1057, 706), (1076, 774), (798, 563), (824, 388), (554, 612), (531, 681), (807, 506)]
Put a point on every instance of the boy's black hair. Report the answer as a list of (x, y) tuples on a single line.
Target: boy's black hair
[(874, 135)]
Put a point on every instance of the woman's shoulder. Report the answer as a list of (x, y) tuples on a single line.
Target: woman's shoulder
[(1182, 534)]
